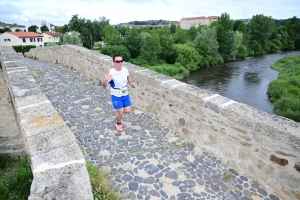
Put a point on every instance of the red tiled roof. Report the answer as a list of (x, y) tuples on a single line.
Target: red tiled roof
[(25, 34), (201, 17), (54, 34)]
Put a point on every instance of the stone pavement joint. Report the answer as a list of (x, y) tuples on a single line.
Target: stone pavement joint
[(147, 160)]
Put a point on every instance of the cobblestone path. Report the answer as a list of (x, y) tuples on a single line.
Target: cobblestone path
[(147, 160)]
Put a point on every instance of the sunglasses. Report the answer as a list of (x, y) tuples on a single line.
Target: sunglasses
[(119, 61)]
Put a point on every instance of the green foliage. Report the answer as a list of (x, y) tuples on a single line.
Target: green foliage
[(3, 161), (150, 49), (18, 48), (15, 183), (173, 28), (260, 29), (293, 29), (241, 52), (166, 42), (33, 28), (228, 176), (187, 56), (193, 33), (257, 49), (133, 42), (176, 71), (100, 186), (112, 36), (90, 31), (285, 91), (44, 28), (114, 49), (47, 44), (181, 36), (207, 46), (225, 22), (72, 39), (273, 46)]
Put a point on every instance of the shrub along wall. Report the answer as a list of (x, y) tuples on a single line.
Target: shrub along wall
[(18, 48), (263, 147)]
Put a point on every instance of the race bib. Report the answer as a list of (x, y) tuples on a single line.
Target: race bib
[(124, 91)]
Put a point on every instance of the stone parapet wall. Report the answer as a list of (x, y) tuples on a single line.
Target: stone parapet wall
[(243, 137), (58, 165)]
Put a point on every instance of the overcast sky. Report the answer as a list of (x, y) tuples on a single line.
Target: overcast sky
[(59, 12)]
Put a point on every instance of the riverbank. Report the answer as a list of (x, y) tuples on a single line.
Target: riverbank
[(285, 91)]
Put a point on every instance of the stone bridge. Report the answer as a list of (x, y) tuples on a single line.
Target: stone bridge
[(180, 142)]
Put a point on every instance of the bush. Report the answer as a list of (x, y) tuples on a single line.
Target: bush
[(18, 48), (113, 50), (15, 183), (3, 161), (176, 71)]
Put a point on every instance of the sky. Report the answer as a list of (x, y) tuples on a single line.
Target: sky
[(59, 12)]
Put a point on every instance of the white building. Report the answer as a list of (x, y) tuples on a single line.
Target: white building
[(38, 23), (21, 38), (52, 36), (187, 23)]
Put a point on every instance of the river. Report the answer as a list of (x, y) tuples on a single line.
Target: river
[(242, 81)]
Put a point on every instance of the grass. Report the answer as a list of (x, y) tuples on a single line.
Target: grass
[(15, 178), (228, 176), (99, 181), (285, 91)]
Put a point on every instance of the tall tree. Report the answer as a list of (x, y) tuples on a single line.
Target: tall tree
[(112, 36), (166, 43), (226, 37), (181, 36), (293, 29), (260, 29), (193, 33), (151, 48), (133, 42), (173, 28), (44, 28), (33, 28)]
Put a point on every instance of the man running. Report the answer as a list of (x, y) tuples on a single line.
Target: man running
[(118, 78)]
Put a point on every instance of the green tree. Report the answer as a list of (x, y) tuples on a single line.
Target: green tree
[(133, 42), (187, 56), (226, 22), (33, 28), (112, 36), (226, 37), (114, 49), (193, 33), (44, 28), (18, 30), (72, 39), (150, 49), (207, 46), (260, 29), (236, 24), (293, 29), (181, 36), (166, 42), (173, 28)]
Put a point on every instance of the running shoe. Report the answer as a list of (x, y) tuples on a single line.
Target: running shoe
[(119, 127)]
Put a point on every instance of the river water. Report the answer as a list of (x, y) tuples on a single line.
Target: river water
[(242, 81)]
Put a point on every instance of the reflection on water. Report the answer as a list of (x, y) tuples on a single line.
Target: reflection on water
[(243, 81)]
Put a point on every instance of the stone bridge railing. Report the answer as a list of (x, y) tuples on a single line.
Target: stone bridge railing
[(263, 147), (58, 165)]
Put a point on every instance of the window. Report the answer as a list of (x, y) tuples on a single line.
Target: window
[(30, 39), (24, 39)]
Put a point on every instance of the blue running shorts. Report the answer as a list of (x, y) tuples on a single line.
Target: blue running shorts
[(120, 102)]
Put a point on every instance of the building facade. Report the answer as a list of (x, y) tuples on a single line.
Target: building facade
[(21, 38), (187, 23), (52, 36)]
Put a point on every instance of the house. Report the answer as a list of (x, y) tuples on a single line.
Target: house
[(187, 23), (52, 36), (21, 38)]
